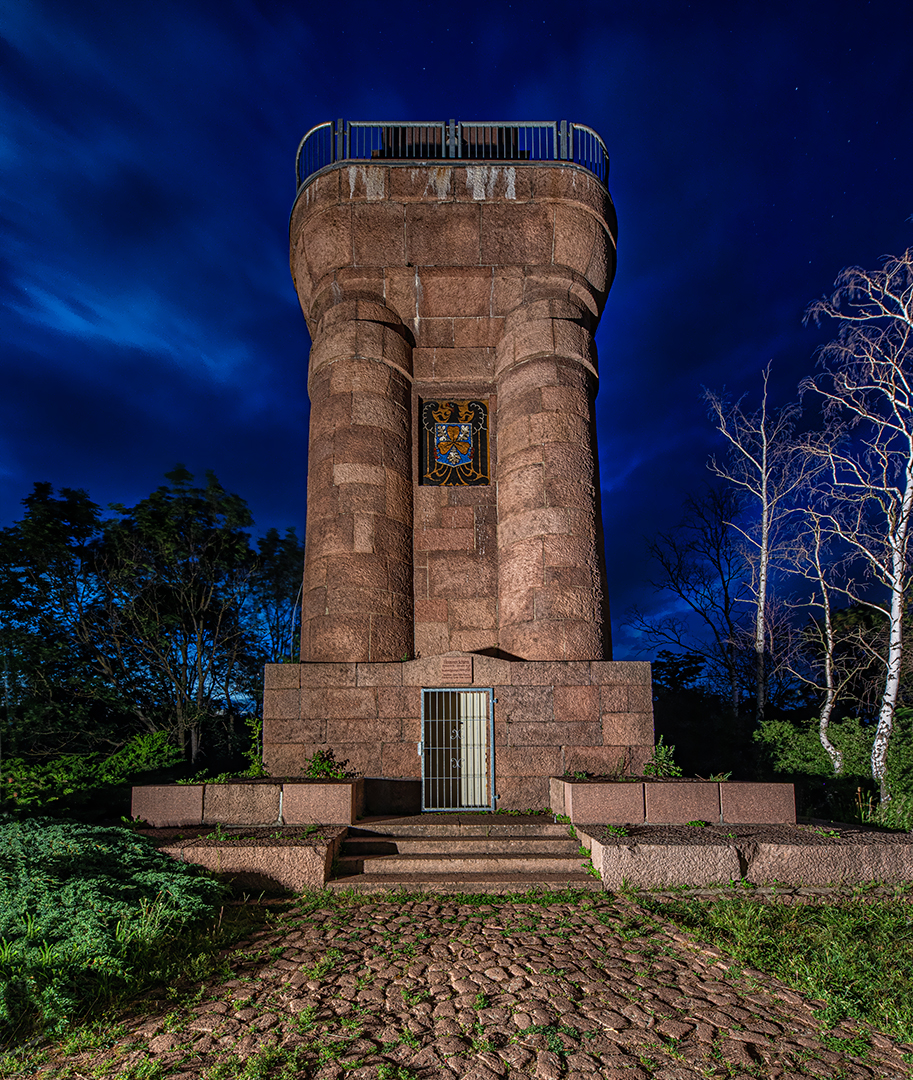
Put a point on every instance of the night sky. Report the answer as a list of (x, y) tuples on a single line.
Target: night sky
[(147, 173)]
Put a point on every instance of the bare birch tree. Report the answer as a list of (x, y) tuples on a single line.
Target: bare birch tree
[(830, 672), (764, 466), (867, 388)]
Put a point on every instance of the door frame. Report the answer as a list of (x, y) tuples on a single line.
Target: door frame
[(488, 728)]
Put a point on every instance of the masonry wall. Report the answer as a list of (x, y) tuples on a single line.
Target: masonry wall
[(458, 281), (548, 718)]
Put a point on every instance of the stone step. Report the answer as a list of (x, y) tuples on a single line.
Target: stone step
[(465, 862), (456, 883), (431, 844), (444, 825)]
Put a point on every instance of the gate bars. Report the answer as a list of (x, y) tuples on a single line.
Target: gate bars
[(456, 749)]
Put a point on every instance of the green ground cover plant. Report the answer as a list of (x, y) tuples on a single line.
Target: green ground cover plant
[(86, 914)]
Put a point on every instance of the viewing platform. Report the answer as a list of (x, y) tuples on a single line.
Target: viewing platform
[(559, 141)]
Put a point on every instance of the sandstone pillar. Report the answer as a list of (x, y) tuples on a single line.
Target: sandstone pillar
[(358, 588), (551, 574)]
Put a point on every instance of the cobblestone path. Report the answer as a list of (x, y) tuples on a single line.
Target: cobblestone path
[(417, 989)]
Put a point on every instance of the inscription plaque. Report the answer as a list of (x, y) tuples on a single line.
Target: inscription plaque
[(456, 669)]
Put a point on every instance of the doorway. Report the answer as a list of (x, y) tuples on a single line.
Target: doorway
[(457, 762)]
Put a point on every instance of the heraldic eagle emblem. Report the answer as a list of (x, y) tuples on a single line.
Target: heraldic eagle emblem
[(455, 443)]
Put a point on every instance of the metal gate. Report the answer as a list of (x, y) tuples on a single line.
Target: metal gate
[(456, 750)]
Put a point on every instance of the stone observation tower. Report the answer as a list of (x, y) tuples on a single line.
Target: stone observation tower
[(455, 642)]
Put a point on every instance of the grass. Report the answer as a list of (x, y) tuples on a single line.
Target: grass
[(855, 957)]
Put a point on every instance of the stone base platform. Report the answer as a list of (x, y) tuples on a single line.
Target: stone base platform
[(550, 717), (490, 853)]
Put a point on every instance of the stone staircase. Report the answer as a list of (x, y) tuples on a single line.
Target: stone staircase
[(460, 853)]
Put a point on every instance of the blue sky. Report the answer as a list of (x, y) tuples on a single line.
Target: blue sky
[(147, 152)]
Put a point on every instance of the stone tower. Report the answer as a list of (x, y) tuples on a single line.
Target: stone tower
[(452, 277)]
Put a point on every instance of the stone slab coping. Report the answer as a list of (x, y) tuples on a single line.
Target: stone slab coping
[(856, 857), (290, 860), (592, 802), (250, 802)]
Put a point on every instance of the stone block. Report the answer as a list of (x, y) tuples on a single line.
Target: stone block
[(525, 704), (389, 674), (545, 521), (619, 729), (477, 332), (282, 704), (676, 803), (263, 866), (380, 415), (517, 599), (442, 234), (322, 802), (369, 182), (550, 673), (281, 676), (166, 806), (521, 792), (539, 761), (436, 333), (445, 540), (362, 499), (399, 701), (287, 759), (326, 241), (574, 237), (757, 803), (431, 609), (594, 804), (458, 517), (472, 640), (347, 730), (613, 699), (301, 729), (555, 734), (490, 671), (605, 760), (621, 672), (410, 184), (238, 803), (557, 604), (451, 291), (432, 639), (350, 703), (658, 865), (556, 788), (473, 614), (401, 760), (462, 576), (423, 672), (577, 703), (521, 490), (826, 864), (332, 637)]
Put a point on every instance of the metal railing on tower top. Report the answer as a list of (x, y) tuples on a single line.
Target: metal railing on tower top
[(362, 140)]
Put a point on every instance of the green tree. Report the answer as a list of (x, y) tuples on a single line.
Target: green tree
[(60, 678), (176, 570), (276, 594)]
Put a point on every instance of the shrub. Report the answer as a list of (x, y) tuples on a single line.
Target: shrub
[(34, 786), (86, 913), (323, 763)]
